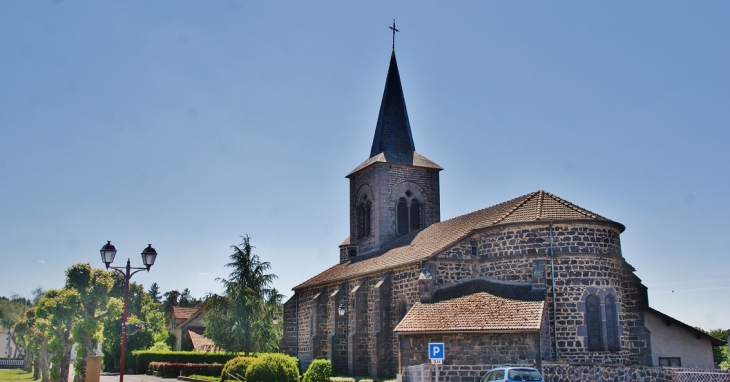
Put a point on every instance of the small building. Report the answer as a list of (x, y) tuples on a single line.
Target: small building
[(8, 347), (187, 326)]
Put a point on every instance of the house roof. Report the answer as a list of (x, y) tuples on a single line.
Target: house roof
[(180, 313), (698, 333), (420, 245), (477, 306), (200, 342)]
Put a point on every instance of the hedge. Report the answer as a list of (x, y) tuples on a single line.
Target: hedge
[(144, 357), (173, 370), (320, 370)]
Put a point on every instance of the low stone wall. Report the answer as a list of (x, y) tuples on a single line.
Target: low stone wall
[(604, 373), (560, 372)]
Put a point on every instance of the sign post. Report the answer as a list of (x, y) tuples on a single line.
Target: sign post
[(436, 355)]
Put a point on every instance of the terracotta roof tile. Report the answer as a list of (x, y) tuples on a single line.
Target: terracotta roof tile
[(477, 306), (181, 313), (200, 342), (419, 245)]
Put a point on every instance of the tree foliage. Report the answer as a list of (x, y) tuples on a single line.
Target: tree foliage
[(149, 314), (93, 287), (240, 320)]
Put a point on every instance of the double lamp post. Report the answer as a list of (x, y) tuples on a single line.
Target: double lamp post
[(148, 259)]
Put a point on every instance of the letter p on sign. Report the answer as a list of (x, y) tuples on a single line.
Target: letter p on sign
[(436, 350)]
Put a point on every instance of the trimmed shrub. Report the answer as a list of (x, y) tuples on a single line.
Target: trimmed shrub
[(273, 368), (144, 357), (173, 370), (236, 366), (320, 370)]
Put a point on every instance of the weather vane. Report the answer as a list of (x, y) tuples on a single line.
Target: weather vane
[(394, 30)]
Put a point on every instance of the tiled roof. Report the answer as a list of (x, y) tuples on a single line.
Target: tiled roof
[(477, 306), (200, 342), (417, 160), (419, 245), (180, 313)]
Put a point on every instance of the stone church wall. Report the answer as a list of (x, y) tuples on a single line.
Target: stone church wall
[(473, 348), (587, 262)]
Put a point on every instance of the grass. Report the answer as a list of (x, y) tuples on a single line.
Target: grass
[(15, 375)]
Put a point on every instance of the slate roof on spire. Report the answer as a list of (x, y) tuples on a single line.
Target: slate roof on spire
[(393, 141), (421, 244)]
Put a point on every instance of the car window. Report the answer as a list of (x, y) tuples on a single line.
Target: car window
[(488, 377), (499, 374), (524, 375)]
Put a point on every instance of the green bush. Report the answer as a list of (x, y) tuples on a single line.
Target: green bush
[(144, 357), (273, 368), (173, 370), (320, 370), (236, 366)]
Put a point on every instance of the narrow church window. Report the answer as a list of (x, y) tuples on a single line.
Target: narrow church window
[(360, 221), (474, 248), (402, 310), (367, 218), (352, 252), (415, 215), (402, 218), (612, 339), (593, 323)]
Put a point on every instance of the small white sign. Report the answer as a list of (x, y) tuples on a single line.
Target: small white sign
[(437, 361)]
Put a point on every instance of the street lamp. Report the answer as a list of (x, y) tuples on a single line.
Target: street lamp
[(107, 257)]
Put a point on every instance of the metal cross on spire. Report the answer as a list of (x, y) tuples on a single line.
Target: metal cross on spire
[(394, 30)]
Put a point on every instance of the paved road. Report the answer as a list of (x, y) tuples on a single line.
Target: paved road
[(134, 378)]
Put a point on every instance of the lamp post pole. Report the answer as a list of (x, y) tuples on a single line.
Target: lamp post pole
[(148, 259)]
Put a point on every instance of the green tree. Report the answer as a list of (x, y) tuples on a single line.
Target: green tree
[(170, 299), (11, 312), (93, 287), (240, 320), (54, 318), (35, 343), (154, 293), (146, 310)]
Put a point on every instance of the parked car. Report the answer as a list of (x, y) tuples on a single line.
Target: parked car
[(510, 374)]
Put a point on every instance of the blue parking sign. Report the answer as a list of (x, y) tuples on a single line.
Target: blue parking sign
[(436, 350)]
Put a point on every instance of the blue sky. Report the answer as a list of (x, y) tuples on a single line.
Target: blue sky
[(187, 124)]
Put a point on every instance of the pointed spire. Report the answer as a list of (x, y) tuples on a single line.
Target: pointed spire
[(393, 131)]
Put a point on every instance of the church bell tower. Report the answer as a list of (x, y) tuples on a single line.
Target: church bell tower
[(395, 192)]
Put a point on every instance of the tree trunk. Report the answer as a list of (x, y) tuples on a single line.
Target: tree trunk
[(64, 361), (43, 361), (84, 350), (28, 362)]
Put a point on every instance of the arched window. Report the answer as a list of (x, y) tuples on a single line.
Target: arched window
[(612, 339), (408, 215), (402, 218), (363, 217), (415, 215), (593, 323)]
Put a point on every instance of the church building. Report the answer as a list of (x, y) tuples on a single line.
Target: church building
[(530, 280)]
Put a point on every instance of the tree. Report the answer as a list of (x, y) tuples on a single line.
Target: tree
[(93, 287), (146, 310), (35, 343), (54, 318), (171, 299), (11, 312), (240, 320), (154, 293)]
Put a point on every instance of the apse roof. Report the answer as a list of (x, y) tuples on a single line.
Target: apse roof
[(477, 306), (419, 245)]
